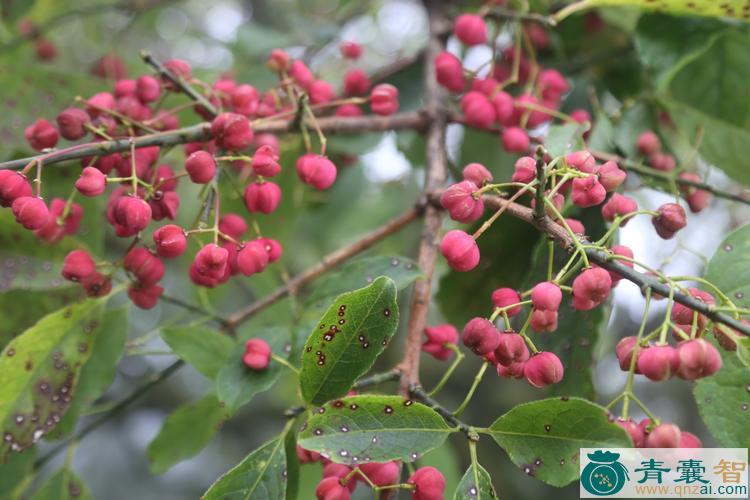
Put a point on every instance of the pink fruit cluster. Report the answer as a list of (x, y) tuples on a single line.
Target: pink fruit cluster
[(646, 434), (339, 481)]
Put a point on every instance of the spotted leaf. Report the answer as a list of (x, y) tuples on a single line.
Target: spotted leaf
[(260, 476), (476, 484), (543, 437), (348, 338), (63, 485), (39, 371), (360, 429), (709, 8)]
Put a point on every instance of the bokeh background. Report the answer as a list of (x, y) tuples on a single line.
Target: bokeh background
[(381, 177)]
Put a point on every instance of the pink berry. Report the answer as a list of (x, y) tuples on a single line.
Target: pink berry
[(458, 199), (429, 484), (125, 88), (437, 337), (618, 205), (350, 50), (349, 110), (546, 296), (320, 92), (478, 109), (245, 99), (273, 248), (481, 336), (477, 173), (384, 99), (71, 123), (664, 436), (552, 84), (381, 474), (316, 171), (470, 29), (180, 69), (147, 88), (671, 219), (97, 104), (97, 285), (211, 261), (689, 440), (610, 176), (513, 371), (232, 225), (257, 354), (449, 72), (41, 135), (504, 110), (543, 320), (356, 82), (581, 116), (582, 160), (330, 488), (511, 350), (307, 456), (132, 213), (591, 288), (543, 369), (232, 131), (648, 143), (683, 315), (163, 178), (525, 170), (92, 182), (636, 432), (515, 140), (587, 191), (625, 252), (301, 74), (698, 358), (659, 362), (262, 197), (460, 250), (164, 204), (252, 258), (78, 265), (12, 185), (201, 167), (662, 161), (697, 199), (278, 61), (576, 226), (266, 162), (31, 212), (170, 241), (145, 266), (624, 351), (504, 297), (143, 295)]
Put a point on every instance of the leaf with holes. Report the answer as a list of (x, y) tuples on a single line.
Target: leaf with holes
[(39, 371), (708, 8), (236, 384), (476, 484), (724, 402), (360, 429), (543, 437), (362, 272), (99, 371), (352, 333), (729, 268), (260, 476), (63, 485), (185, 432), (204, 348)]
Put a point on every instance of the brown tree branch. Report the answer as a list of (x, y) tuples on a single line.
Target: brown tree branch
[(326, 263), (436, 172)]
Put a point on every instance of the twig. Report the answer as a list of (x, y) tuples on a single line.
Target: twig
[(326, 263), (377, 378), (433, 218), (155, 380), (417, 392), (541, 177)]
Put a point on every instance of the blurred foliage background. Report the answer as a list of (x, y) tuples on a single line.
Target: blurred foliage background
[(380, 176)]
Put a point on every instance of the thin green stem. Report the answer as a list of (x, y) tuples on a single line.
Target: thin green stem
[(472, 389), (447, 375), (285, 363)]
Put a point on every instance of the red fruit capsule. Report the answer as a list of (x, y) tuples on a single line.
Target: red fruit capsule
[(262, 197), (481, 336), (232, 131), (316, 171), (266, 161), (689, 440), (320, 92), (78, 266), (381, 474), (180, 69), (257, 354), (31, 212), (449, 72), (458, 199), (477, 173), (356, 82), (525, 170), (92, 182), (515, 140), (384, 99), (543, 369), (698, 358), (147, 88), (546, 296), (610, 176), (582, 160), (478, 109), (460, 250), (278, 61), (12, 185), (618, 205), (273, 248), (648, 143), (71, 123), (131, 213), (143, 295), (664, 436), (211, 261), (330, 488), (97, 285), (232, 225), (659, 362), (429, 484), (252, 258), (636, 432), (504, 297), (543, 320), (350, 50), (511, 349), (591, 288), (587, 192), (201, 167), (671, 219), (41, 135), (470, 29), (437, 337), (624, 352), (145, 266), (170, 241)]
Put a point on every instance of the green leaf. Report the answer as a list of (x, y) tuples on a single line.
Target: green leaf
[(13, 10), (481, 147), (723, 402), (15, 469), (185, 432), (464, 295), (260, 476), (743, 351), (563, 139), (39, 371), (358, 429), (99, 371), (476, 484), (292, 465), (236, 384), (352, 333), (63, 485), (204, 348), (18, 303), (634, 120), (708, 8), (361, 272), (602, 135), (543, 437), (729, 268)]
